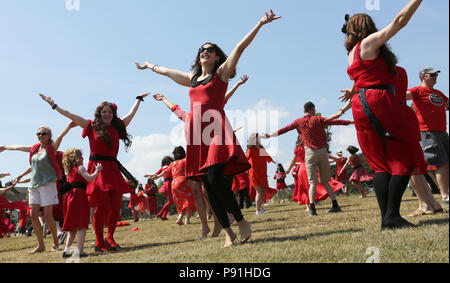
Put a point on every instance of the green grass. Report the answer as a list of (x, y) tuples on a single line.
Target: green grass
[(285, 235)]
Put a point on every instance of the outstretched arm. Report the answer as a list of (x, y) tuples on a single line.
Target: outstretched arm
[(371, 44), (4, 190), (165, 100), (230, 93), (291, 165), (179, 77), (228, 67), (127, 118), (180, 113), (77, 119), (25, 148), (4, 175), (58, 140), (345, 166)]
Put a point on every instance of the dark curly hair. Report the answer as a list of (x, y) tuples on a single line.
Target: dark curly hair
[(166, 161), (197, 67), (101, 130), (360, 26), (352, 149)]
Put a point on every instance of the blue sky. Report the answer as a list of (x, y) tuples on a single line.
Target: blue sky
[(86, 56)]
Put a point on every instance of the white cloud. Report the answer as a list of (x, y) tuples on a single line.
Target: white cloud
[(342, 137)]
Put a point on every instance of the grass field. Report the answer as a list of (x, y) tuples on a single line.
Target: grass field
[(285, 235)]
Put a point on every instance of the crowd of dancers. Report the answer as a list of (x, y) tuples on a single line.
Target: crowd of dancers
[(397, 142)]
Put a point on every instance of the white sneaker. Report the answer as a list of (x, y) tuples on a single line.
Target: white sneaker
[(261, 211)]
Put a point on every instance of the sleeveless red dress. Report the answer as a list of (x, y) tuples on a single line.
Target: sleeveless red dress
[(209, 136), (75, 204), (300, 153), (402, 156), (359, 174), (110, 178)]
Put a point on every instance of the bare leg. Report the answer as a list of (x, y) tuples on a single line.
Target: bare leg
[(48, 212), (37, 228), (260, 197), (81, 239), (360, 188), (201, 207), (442, 180)]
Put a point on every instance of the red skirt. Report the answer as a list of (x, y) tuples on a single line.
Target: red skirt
[(281, 185), (182, 195), (76, 210), (361, 175), (403, 156), (302, 187)]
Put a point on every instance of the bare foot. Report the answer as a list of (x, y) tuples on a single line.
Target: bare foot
[(205, 233), (37, 250), (216, 232), (229, 240), (245, 231)]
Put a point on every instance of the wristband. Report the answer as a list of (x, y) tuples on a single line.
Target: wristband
[(140, 98), (54, 106), (154, 67)]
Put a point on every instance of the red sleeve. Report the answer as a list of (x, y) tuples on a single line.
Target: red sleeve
[(88, 130), (414, 91), (168, 173), (288, 128), (181, 114)]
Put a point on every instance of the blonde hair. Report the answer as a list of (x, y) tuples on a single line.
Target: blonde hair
[(48, 131), (71, 158)]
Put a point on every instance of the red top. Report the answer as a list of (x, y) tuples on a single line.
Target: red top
[(340, 163), (430, 107), (209, 136), (280, 176), (110, 178), (355, 160), (312, 130), (241, 181), (150, 190)]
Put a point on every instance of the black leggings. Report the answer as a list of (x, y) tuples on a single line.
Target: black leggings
[(389, 190), (244, 198), (221, 197)]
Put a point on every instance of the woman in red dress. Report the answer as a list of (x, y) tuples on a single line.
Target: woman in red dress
[(280, 176), (151, 190), (359, 175), (343, 176), (181, 189), (142, 206), (213, 156), (75, 202), (166, 188), (107, 189), (385, 127), (258, 158)]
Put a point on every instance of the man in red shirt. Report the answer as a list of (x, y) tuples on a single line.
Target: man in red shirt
[(312, 130), (430, 106)]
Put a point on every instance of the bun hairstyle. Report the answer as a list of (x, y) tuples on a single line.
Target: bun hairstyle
[(197, 67), (101, 130), (360, 26), (352, 149)]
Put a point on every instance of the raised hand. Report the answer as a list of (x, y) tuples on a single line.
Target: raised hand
[(158, 97), (2, 148), (147, 65), (348, 94), (47, 99), (99, 167), (269, 17), (144, 95), (243, 80)]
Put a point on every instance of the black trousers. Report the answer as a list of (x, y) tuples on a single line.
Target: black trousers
[(221, 197)]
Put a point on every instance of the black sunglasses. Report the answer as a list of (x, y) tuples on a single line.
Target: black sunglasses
[(433, 75), (41, 134), (210, 49)]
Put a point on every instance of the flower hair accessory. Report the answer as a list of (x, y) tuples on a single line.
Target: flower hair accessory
[(344, 27)]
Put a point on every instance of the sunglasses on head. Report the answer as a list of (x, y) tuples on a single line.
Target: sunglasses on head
[(41, 134), (209, 49)]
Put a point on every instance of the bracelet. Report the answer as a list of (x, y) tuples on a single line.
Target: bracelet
[(54, 106), (140, 98), (154, 67)]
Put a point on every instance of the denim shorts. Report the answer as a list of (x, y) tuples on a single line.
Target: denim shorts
[(435, 147)]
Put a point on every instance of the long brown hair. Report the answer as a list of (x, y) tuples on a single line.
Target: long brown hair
[(360, 26), (197, 67), (117, 123)]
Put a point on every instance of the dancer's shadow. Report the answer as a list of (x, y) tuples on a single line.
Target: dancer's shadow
[(439, 221), (304, 237)]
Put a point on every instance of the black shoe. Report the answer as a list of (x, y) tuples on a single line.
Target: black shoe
[(115, 248), (397, 223), (83, 255), (66, 254), (334, 209), (312, 212)]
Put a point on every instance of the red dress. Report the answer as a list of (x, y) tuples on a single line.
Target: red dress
[(258, 158), (301, 190), (343, 177), (359, 174), (75, 204), (241, 181), (152, 201), (110, 178), (300, 153), (143, 205), (402, 156), (280, 176), (209, 136), (181, 191)]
